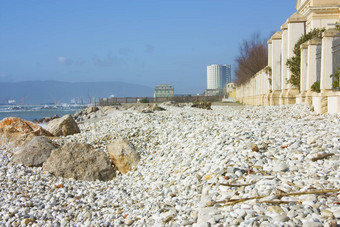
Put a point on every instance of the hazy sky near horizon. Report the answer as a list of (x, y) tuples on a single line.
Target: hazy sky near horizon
[(146, 42)]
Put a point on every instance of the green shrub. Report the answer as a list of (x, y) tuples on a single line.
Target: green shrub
[(336, 79), (144, 100), (294, 62), (337, 26), (268, 71), (316, 86)]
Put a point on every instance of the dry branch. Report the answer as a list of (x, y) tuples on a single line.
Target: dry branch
[(235, 185), (279, 202), (322, 156), (316, 192)]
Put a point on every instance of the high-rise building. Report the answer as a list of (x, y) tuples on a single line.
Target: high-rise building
[(228, 74), (216, 76)]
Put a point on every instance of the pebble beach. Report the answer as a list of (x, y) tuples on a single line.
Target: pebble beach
[(229, 166)]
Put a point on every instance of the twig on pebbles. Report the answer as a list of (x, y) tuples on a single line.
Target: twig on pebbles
[(293, 185), (322, 156), (233, 202), (279, 202), (235, 185), (316, 192)]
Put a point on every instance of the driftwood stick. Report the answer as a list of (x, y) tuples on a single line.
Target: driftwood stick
[(316, 192), (322, 156), (278, 202), (231, 201), (235, 185)]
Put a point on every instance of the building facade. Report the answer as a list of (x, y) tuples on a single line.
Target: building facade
[(229, 87), (216, 76), (320, 59), (228, 74), (164, 91)]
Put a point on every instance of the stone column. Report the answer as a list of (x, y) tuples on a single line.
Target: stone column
[(320, 101), (327, 60), (267, 89), (263, 90), (304, 66), (284, 67), (296, 28), (276, 52), (311, 69), (300, 98), (270, 45), (259, 88)]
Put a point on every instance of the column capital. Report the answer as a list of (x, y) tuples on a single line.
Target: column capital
[(284, 26), (304, 45), (296, 18), (277, 35), (330, 32), (314, 41)]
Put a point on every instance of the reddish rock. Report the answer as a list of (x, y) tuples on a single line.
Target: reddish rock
[(16, 130), (123, 155)]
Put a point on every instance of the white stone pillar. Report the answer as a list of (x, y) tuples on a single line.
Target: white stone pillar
[(276, 61), (284, 67), (270, 45), (303, 67), (311, 68), (327, 60), (295, 29), (262, 89), (300, 98), (320, 101)]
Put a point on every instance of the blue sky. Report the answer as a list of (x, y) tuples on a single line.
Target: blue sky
[(146, 42)]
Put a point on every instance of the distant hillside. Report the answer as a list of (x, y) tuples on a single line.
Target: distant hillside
[(42, 92)]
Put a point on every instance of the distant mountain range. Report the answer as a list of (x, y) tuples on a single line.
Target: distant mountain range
[(44, 92)]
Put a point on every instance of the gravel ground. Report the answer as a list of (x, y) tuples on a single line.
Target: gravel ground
[(230, 166)]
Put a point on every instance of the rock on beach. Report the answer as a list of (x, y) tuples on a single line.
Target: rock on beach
[(35, 152), (79, 161), (63, 126), (18, 131), (196, 168), (123, 155)]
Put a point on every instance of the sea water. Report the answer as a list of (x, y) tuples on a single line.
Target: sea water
[(30, 113)]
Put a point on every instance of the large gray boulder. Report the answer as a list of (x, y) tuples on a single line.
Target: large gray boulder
[(35, 152), (81, 162), (123, 155), (63, 126)]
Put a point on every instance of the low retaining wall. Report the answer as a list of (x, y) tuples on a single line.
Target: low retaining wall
[(189, 98), (257, 93)]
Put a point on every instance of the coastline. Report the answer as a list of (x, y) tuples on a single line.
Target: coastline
[(35, 111)]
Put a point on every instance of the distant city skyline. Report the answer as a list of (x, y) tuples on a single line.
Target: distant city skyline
[(141, 42)]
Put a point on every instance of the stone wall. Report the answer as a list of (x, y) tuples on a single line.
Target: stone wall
[(257, 91), (317, 61)]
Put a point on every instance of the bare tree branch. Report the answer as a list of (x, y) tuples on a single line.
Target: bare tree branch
[(253, 56)]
